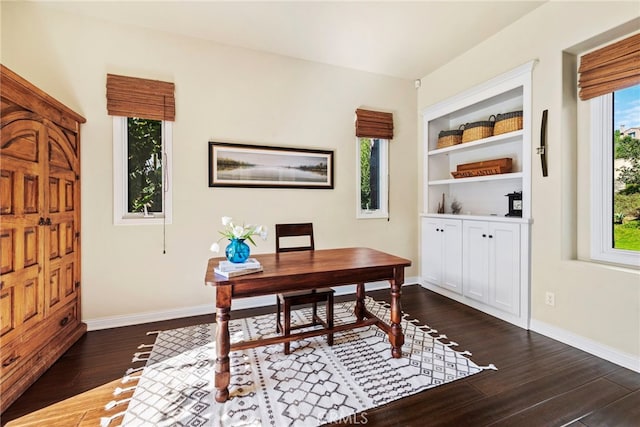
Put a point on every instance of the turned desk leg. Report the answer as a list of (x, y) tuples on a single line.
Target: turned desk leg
[(223, 344), (396, 337)]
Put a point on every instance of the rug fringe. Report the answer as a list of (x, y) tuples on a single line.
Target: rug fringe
[(134, 370), (489, 366), (128, 378), (140, 356), (118, 391), (105, 421), (153, 332), (428, 329), (109, 406)]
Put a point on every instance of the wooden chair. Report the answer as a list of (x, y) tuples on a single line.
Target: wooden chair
[(286, 300)]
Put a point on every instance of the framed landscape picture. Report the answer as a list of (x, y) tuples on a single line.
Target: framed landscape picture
[(240, 165)]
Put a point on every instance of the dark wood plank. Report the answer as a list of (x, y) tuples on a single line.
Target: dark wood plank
[(567, 407), (626, 378), (530, 375), (621, 413)]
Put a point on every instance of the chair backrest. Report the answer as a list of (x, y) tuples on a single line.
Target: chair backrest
[(294, 230)]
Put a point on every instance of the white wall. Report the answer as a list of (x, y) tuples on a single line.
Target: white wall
[(222, 94), (596, 306)]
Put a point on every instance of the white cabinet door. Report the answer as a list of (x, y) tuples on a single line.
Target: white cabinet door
[(504, 266), (442, 253), (475, 260), (431, 251), (491, 264), (451, 231)]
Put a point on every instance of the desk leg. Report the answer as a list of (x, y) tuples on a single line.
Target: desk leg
[(223, 344), (359, 308), (396, 337)]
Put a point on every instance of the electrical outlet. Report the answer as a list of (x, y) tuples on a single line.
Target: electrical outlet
[(550, 299)]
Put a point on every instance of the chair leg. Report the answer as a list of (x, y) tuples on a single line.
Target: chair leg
[(287, 326), (314, 316), (278, 308), (330, 318)]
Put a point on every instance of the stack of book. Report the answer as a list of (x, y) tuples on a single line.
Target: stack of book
[(232, 269)]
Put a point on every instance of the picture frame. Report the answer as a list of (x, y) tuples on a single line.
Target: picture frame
[(256, 166)]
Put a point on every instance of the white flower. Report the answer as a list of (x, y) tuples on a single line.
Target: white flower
[(238, 231), (232, 231)]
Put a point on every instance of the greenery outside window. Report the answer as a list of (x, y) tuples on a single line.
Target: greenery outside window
[(373, 177), (142, 151), (615, 218)]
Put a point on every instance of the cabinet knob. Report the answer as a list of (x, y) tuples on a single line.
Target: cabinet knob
[(442, 230), (41, 221), (437, 229), (64, 321), (47, 221), (484, 235), (491, 236)]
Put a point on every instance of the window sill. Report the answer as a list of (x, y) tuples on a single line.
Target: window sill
[(140, 220)]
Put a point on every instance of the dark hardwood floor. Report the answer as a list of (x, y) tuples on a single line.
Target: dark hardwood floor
[(539, 381)]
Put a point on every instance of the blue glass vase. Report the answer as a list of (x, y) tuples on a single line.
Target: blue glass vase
[(237, 251)]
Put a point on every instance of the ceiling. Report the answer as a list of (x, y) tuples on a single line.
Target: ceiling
[(396, 38)]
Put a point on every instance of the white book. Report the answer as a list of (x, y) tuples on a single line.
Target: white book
[(234, 266), (235, 273)]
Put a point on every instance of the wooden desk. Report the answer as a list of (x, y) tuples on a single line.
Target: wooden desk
[(292, 271)]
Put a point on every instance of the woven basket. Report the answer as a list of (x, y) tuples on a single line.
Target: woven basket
[(508, 122), (478, 130), (447, 138)]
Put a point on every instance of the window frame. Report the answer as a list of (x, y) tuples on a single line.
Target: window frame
[(383, 175), (602, 185), (121, 216)]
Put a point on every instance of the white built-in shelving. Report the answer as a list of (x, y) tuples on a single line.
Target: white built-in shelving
[(479, 256)]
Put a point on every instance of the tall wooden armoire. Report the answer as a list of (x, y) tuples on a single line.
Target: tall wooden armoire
[(39, 233)]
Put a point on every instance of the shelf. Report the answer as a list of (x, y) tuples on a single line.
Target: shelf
[(478, 217), (485, 142), (513, 175)]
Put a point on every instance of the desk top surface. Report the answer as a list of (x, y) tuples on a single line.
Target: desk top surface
[(326, 265)]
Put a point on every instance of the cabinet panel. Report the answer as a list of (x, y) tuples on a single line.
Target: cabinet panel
[(452, 252), (442, 253), (475, 260), (431, 251), (504, 268)]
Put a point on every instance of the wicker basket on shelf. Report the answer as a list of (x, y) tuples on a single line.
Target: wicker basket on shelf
[(448, 138), (508, 122), (478, 130)]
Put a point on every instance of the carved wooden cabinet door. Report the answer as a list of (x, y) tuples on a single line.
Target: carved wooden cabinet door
[(61, 219), (23, 175)]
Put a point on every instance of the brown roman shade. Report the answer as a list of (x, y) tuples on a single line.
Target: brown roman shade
[(134, 97), (611, 68), (374, 124)]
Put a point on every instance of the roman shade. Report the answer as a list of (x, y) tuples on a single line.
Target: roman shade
[(134, 97), (611, 68), (374, 124)]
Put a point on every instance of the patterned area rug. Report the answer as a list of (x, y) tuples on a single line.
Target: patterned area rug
[(314, 385)]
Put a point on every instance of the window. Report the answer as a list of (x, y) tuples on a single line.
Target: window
[(372, 195), (615, 177), (142, 154)]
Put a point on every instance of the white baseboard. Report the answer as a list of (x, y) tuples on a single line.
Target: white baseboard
[(610, 354), (156, 316)]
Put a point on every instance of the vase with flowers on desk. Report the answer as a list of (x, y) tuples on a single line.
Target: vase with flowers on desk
[(238, 251)]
